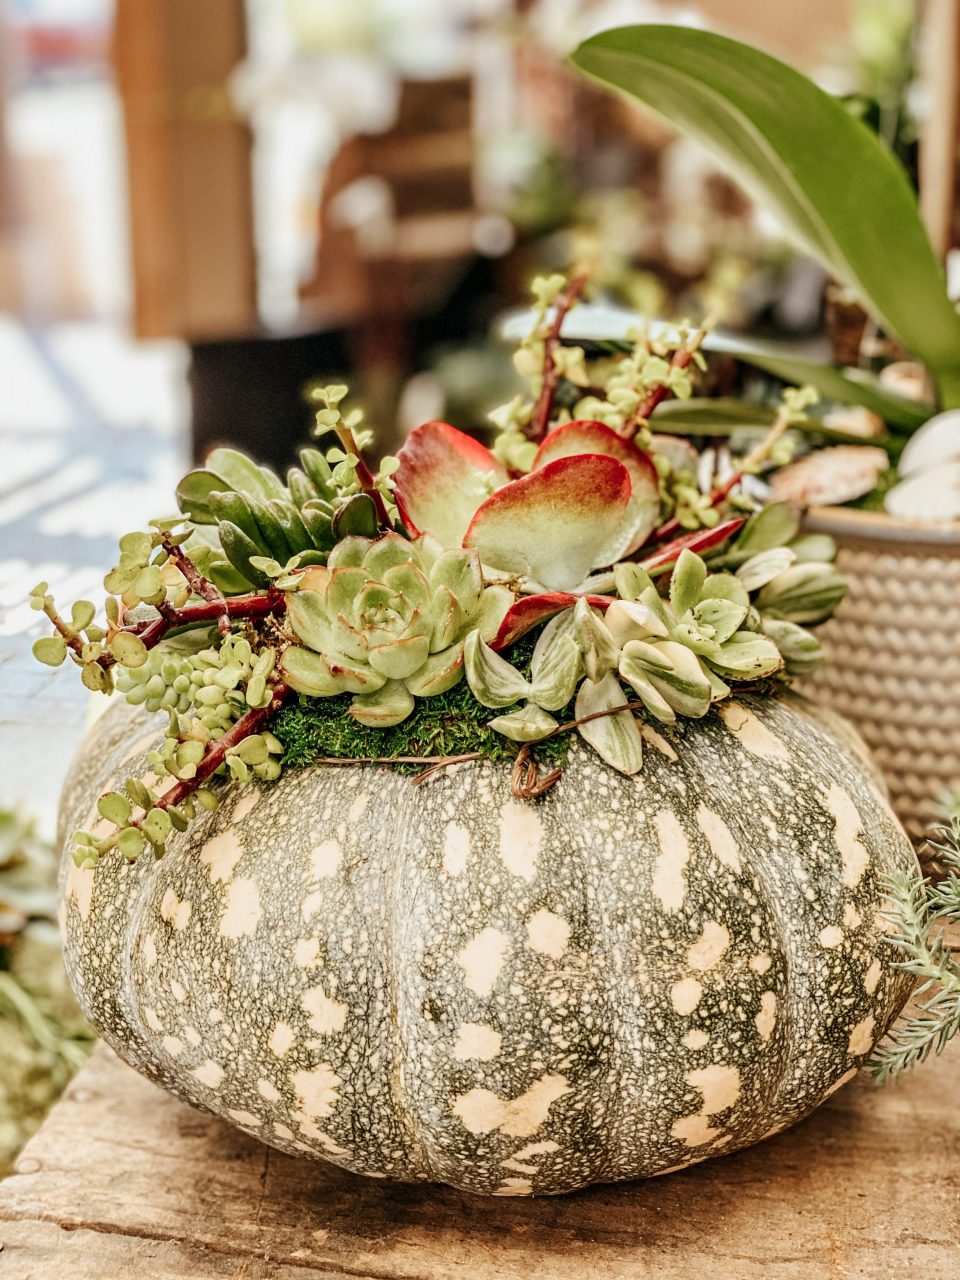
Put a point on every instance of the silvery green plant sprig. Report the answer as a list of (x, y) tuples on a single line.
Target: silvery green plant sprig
[(923, 916)]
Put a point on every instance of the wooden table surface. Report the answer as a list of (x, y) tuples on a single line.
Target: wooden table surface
[(125, 1183)]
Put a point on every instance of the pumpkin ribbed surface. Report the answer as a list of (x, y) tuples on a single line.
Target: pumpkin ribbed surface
[(444, 983)]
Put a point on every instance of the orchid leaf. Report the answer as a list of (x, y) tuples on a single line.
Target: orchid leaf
[(443, 476), (615, 737), (789, 144), (553, 525)]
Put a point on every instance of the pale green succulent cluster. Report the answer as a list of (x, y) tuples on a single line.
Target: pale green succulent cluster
[(386, 620), (677, 655)]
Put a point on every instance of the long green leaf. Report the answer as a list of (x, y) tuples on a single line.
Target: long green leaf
[(834, 186), (723, 416)]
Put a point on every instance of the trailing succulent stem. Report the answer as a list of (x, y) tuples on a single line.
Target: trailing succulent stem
[(457, 602)]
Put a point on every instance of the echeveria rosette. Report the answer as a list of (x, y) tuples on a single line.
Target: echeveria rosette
[(386, 620), (589, 498)]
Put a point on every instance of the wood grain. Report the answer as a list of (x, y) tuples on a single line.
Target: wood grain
[(125, 1181)]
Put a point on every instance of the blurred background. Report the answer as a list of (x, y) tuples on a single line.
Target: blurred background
[(207, 207)]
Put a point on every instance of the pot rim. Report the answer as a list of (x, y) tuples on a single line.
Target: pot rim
[(849, 524)]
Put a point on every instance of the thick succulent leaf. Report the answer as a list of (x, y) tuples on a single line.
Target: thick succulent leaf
[(804, 593), (616, 737), (556, 678), (241, 551), (701, 541), (630, 620), (689, 575), (764, 567), (800, 649), (346, 638), (448, 619), (308, 617), (440, 672), (193, 493), (643, 511), (725, 586), (459, 571), (563, 624), (786, 141), (409, 582), (384, 708), (493, 681), (444, 475), (747, 656), (530, 611), (638, 679), (308, 673), (772, 526), (495, 603), (343, 587), (352, 676), (350, 553), (383, 554), (630, 580), (600, 651), (675, 672), (244, 475), (400, 658), (723, 617), (528, 723), (555, 524)]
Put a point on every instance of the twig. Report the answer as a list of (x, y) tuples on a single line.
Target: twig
[(364, 475), (550, 378), (154, 630), (199, 584), (680, 359)]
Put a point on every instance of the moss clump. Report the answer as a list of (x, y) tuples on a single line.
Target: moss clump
[(449, 724)]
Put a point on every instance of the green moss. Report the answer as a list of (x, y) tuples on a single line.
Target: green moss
[(449, 724)]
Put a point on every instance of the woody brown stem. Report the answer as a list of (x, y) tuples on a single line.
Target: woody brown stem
[(249, 606), (199, 584), (550, 379)]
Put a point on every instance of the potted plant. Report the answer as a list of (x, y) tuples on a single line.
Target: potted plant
[(843, 196), (495, 850)]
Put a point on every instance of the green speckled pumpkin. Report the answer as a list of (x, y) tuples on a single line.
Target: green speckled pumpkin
[(443, 983)]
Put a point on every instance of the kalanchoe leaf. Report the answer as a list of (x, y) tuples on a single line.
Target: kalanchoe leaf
[(388, 706), (804, 593), (443, 477), (600, 651), (747, 656), (701, 541), (557, 673), (528, 723), (689, 575), (615, 738), (492, 680), (764, 567), (553, 525), (801, 650)]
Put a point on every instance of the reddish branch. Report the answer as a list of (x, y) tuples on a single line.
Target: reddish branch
[(249, 723), (154, 630), (540, 421), (720, 492), (365, 476), (198, 584), (680, 359)]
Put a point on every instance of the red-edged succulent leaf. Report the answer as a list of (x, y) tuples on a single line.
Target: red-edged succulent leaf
[(585, 437), (700, 541), (444, 475), (530, 611), (553, 524)]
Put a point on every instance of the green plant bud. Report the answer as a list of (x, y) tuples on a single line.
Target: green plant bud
[(50, 650)]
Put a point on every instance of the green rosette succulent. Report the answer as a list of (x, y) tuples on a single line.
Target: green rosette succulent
[(386, 620)]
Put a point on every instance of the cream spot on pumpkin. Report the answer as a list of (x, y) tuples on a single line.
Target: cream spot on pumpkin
[(521, 1160), (152, 1021), (79, 886), (305, 951), (242, 911), (220, 855), (521, 835), (173, 1045), (760, 963), (482, 1111), (851, 916), (668, 879), (710, 947), (515, 1187), (685, 995), (474, 1040), (861, 1037), (316, 1090), (325, 858), (283, 1131), (245, 806), (548, 933), (268, 1091), (695, 1039), (751, 733), (657, 741), (281, 1038), (178, 990), (694, 1131), (173, 910), (766, 1018), (853, 856), (312, 904), (719, 837), (719, 1087), (245, 1117), (456, 848), (327, 1015), (149, 951), (871, 979), (359, 807), (191, 1036), (210, 1073), (830, 936), (482, 959)]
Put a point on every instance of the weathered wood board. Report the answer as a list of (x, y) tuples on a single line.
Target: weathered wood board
[(125, 1183)]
